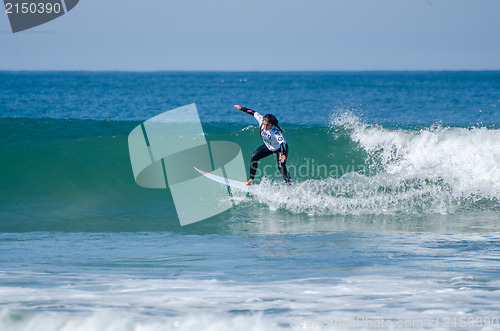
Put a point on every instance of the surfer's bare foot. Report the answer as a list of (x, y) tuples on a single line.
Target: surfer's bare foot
[(250, 182)]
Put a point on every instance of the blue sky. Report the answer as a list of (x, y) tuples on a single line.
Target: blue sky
[(261, 35)]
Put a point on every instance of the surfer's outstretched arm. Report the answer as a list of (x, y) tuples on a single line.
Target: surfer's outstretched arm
[(246, 110)]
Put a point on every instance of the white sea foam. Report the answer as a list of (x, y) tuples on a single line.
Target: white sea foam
[(436, 170), (112, 303)]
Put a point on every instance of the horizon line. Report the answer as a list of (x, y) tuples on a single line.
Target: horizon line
[(250, 71)]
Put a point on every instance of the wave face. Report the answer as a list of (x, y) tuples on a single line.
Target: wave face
[(76, 174), (360, 144)]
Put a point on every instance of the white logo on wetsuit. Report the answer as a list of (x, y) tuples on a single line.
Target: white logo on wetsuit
[(272, 138)]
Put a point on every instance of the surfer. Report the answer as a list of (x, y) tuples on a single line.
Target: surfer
[(274, 143)]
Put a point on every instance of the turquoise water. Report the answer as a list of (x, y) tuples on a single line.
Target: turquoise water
[(393, 220)]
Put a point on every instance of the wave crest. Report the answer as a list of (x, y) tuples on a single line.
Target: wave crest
[(433, 170)]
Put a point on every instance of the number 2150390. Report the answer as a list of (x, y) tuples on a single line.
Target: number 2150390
[(32, 8)]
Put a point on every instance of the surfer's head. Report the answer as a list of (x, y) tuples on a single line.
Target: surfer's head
[(268, 121)]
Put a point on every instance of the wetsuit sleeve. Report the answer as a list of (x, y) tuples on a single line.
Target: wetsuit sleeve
[(248, 111), (284, 149), (255, 114), (258, 117)]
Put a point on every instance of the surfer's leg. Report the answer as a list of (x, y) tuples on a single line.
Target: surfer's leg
[(259, 153), (283, 170)]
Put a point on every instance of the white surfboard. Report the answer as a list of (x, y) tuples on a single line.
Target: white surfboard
[(226, 181)]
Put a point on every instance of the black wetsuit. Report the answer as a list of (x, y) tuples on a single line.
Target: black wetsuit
[(274, 143)]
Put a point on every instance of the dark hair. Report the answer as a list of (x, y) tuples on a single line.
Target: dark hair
[(270, 119)]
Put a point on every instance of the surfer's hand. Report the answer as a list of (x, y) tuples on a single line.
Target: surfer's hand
[(283, 158), (237, 107)]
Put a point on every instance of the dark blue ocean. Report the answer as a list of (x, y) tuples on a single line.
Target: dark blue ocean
[(393, 220)]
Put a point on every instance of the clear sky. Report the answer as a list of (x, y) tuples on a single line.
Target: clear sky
[(261, 35)]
